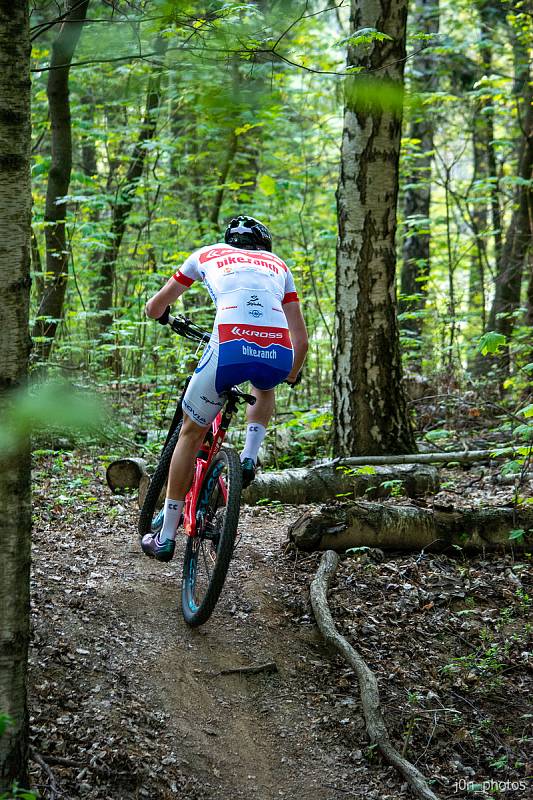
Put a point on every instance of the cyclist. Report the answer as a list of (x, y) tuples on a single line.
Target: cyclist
[(259, 335)]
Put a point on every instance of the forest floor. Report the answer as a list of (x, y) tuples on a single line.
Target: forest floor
[(127, 702)]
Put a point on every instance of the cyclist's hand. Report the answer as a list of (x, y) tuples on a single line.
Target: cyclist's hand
[(163, 319), (296, 381)]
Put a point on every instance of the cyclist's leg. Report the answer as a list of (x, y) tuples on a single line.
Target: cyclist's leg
[(264, 406), (184, 457), (178, 482), (257, 416), (200, 405)]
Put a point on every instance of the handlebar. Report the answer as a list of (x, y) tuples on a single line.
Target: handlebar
[(186, 327)]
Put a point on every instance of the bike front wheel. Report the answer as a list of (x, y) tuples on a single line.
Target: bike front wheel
[(208, 553)]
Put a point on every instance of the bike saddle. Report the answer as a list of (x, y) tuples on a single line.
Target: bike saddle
[(242, 396)]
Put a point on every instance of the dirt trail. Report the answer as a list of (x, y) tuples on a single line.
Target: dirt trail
[(247, 735), (127, 703), (125, 699)]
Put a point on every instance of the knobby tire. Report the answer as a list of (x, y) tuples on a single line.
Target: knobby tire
[(196, 615)]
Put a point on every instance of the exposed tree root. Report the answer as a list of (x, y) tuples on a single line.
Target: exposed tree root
[(368, 684), (53, 789)]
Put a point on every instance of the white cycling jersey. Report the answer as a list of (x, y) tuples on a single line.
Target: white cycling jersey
[(247, 286), (250, 339)]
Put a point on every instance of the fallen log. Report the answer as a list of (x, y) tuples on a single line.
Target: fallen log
[(461, 456), (368, 685), (322, 484), (511, 480), (125, 473), (402, 527)]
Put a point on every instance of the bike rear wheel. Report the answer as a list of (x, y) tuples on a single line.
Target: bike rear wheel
[(208, 553), (157, 484)]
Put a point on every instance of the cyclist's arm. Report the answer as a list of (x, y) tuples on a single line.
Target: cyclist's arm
[(298, 332), (170, 292)]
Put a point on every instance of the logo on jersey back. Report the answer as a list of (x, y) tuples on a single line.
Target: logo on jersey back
[(254, 301), (261, 335)]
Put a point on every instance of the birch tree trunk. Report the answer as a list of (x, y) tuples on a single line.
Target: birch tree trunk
[(51, 305), (15, 512), (370, 412)]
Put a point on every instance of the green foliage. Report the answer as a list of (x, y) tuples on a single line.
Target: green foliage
[(367, 470), (491, 343), (364, 36), (374, 95), (16, 792), (5, 723), (395, 487), (50, 406), (228, 101), (438, 434)]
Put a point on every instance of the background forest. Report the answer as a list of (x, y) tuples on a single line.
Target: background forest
[(182, 116), (389, 148)]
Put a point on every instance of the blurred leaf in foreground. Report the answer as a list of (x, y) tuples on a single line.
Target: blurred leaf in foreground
[(51, 405)]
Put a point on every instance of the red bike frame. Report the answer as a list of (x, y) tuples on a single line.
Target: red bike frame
[(214, 438)]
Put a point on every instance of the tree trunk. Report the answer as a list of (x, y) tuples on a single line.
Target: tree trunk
[(15, 516), (529, 313), (369, 406), (479, 224), (126, 193), (88, 143), (489, 16), (408, 528), (519, 234), (417, 199), (323, 484), (231, 149), (51, 305)]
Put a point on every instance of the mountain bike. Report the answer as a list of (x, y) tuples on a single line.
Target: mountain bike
[(212, 505)]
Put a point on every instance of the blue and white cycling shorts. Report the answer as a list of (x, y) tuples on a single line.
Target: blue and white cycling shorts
[(260, 354)]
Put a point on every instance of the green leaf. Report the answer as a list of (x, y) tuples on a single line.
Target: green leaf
[(524, 432), (518, 533), (491, 342), (267, 185), (527, 411), (441, 433), (511, 468), (364, 36)]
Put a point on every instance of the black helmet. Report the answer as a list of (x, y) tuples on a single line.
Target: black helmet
[(248, 233)]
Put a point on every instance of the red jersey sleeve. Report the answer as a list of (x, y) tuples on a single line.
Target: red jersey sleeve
[(189, 271), (291, 295)]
